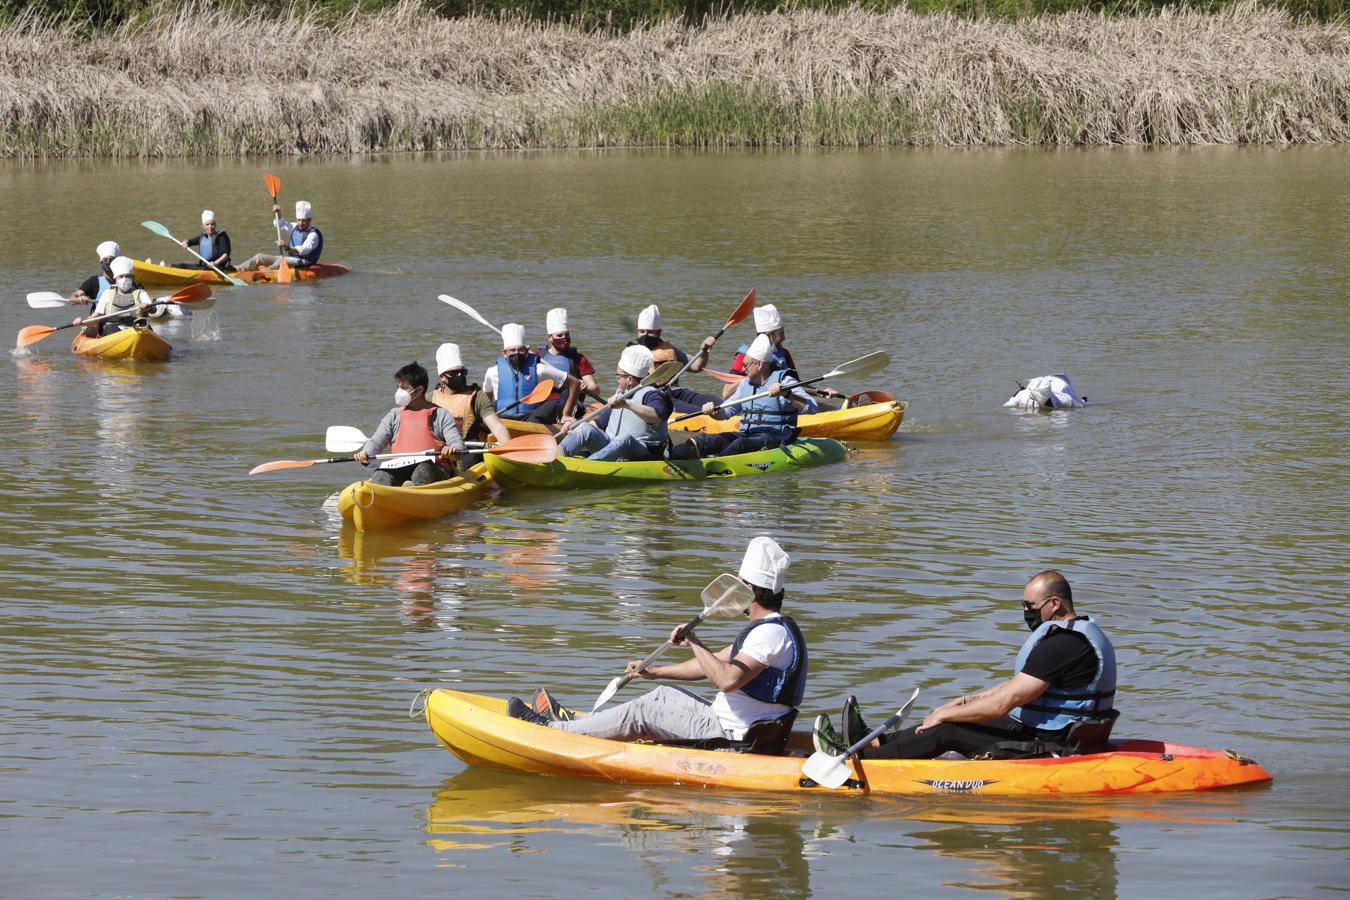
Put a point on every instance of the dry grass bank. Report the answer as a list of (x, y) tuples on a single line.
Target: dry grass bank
[(206, 82)]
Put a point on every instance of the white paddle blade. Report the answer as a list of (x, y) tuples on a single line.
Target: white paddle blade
[(343, 439), (863, 365), (826, 770), (468, 311), (45, 300), (608, 693), (662, 373), (726, 597)]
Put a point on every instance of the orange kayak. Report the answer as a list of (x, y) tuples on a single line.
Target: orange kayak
[(140, 344), (477, 730), (170, 276)]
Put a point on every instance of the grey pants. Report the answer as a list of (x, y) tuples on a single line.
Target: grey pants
[(664, 714), (267, 261), (422, 473)]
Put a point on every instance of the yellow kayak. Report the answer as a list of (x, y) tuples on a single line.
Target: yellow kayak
[(375, 507), (140, 344), (477, 730), (875, 417), (171, 276)]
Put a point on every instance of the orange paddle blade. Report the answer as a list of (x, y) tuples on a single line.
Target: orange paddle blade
[(193, 293), (540, 392), (530, 448), (747, 306), (284, 273), (32, 334), (724, 377), (280, 464), (273, 185)]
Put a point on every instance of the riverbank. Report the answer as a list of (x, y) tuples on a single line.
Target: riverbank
[(220, 83)]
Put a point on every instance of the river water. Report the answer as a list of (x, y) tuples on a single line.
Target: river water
[(203, 680)]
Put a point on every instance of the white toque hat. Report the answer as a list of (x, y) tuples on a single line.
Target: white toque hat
[(107, 249), (761, 348), (636, 361), (208, 216), (302, 209), (123, 266), (764, 563), (555, 321), (650, 319), (447, 358), (513, 335), (767, 318)]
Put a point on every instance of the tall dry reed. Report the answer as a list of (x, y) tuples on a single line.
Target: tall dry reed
[(206, 81)]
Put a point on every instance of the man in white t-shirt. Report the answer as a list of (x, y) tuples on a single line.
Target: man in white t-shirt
[(761, 675), (517, 372)]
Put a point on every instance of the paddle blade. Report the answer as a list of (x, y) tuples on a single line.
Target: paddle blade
[(726, 597), (273, 185), (235, 282), (45, 300), (608, 693), (284, 273), (826, 770), (725, 377), (663, 373), (863, 365), (280, 464), (158, 229), (540, 392), (468, 311), (343, 439), (32, 334), (193, 293), (528, 448), (747, 306)]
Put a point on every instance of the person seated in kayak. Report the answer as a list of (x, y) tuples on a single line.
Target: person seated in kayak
[(475, 415), (414, 424), (632, 428), (1064, 674), (301, 242), (768, 322), (767, 422), (125, 301), (93, 287), (649, 336), (761, 675), (212, 245), (560, 354), (517, 372)]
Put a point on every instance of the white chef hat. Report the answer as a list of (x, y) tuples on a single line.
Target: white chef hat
[(302, 209), (123, 265), (208, 216), (767, 318), (764, 563), (761, 348), (513, 335), (555, 321), (636, 361), (447, 358), (650, 318), (107, 249)]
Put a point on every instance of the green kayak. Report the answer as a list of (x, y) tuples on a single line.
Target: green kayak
[(576, 472)]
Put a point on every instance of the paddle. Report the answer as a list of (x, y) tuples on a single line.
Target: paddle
[(731, 378), (863, 365), (832, 771), (660, 375), (284, 273), (538, 395), (46, 300), (744, 309), (198, 295), (531, 448), (468, 311), (726, 597), (161, 230)]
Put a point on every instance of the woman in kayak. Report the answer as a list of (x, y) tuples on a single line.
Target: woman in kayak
[(212, 245), (415, 426), (760, 676), (1065, 674)]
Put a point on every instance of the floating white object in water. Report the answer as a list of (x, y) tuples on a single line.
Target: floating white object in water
[(1046, 392)]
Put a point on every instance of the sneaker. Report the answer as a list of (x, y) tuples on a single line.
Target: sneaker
[(517, 709), (851, 721), (546, 705), (825, 738)]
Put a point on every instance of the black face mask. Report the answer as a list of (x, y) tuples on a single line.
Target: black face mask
[(107, 269), (1032, 617), (650, 341), (517, 360), (456, 381)]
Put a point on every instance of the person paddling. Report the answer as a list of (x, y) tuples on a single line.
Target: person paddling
[(93, 287), (414, 424), (1065, 673), (649, 336), (212, 245), (632, 428), (475, 416), (301, 242), (761, 675), (560, 354), (519, 371), (768, 322), (126, 302)]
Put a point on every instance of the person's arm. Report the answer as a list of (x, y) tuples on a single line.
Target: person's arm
[(192, 242), (86, 293), (586, 372), (729, 389), (487, 414), (726, 673), (383, 436), (447, 432), (701, 358), (641, 410), (573, 386), (800, 399), (222, 245), (490, 385), (689, 670), (991, 703), (308, 245)]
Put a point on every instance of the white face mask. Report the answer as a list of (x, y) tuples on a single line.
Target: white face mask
[(402, 397), (124, 283)]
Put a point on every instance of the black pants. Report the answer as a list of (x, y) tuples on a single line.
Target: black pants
[(425, 472), (546, 413), (725, 444), (685, 400), (965, 738)]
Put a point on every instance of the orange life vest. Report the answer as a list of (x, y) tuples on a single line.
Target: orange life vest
[(664, 352), (461, 407), (414, 431)]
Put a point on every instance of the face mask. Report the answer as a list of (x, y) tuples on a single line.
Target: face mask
[(402, 397), (106, 267), (517, 360), (456, 381), (1032, 617), (650, 341), (562, 343), (124, 283)]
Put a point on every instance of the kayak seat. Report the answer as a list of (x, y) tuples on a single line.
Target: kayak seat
[(767, 737), (1091, 735)]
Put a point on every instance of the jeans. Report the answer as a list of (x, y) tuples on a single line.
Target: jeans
[(425, 472), (267, 261), (664, 714), (602, 447), (725, 444)]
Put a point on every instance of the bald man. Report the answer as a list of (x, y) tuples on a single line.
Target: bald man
[(1064, 674)]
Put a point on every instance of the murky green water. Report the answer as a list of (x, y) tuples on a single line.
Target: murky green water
[(204, 680)]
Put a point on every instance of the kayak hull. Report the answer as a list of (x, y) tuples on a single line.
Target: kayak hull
[(171, 276), (875, 421), (139, 344), (575, 472), (476, 729), (375, 507)]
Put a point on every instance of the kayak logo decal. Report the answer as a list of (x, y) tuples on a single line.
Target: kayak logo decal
[(700, 767), (957, 786), (763, 467)]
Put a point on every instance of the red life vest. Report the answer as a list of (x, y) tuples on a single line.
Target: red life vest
[(414, 431)]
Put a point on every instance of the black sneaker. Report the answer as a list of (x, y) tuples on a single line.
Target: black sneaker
[(851, 721), (516, 708), (825, 738), (546, 705)]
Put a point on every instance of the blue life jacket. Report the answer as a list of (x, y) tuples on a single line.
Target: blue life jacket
[(773, 685), (206, 245), (104, 282), (1058, 708), (781, 359), (512, 385), (298, 236), (562, 362), (775, 416)]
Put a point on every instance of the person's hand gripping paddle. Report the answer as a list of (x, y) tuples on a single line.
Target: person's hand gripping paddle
[(832, 771), (727, 597)]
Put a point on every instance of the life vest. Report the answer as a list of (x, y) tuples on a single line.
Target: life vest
[(298, 236), (461, 407), (1057, 709), (780, 358), (104, 283), (512, 385), (773, 685), (206, 244), (568, 361), (624, 422), (414, 434), (775, 416)]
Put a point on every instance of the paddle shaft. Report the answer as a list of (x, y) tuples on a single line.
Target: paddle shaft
[(655, 654), (787, 389), (283, 268), (221, 272), (646, 382)]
